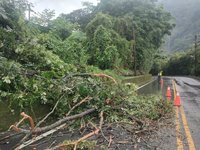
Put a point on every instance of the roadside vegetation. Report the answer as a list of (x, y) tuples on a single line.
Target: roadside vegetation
[(76, 62), (179, 63)]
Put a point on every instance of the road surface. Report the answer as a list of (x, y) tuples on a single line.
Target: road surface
[(184, 134), (189, 90)]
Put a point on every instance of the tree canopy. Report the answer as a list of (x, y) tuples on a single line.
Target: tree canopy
[(149, 22), (37, 54)]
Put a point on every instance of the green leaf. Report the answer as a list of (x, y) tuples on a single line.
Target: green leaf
[(6, 80)]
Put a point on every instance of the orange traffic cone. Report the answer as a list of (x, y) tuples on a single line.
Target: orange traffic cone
[(177, 101), (168, 93)]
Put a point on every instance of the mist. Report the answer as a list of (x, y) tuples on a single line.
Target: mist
[(186, 15)]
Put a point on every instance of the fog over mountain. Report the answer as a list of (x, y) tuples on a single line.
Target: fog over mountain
[(187, 19)]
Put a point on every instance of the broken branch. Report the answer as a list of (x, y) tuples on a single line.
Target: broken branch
[(106, 76), (78, 104), (59, 122), (39, 123), (75, 143), (39, 137), (90, 75), (30, 120)]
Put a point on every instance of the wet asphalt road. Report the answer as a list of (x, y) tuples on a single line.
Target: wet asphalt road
[(185, 133), (189, 90)]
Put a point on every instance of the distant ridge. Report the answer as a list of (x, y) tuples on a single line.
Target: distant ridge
[(187, 19)]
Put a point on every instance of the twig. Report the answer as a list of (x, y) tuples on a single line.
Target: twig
[(138, 121), (90, 75), (16, 127), (30, 120), (87, 136), (61, 121), (77, 75), (78, 104), (104, 136), (110, 141), (107, 76), (52, 143), (100, 126), (9, 136), (19, 130), (75, 143), (25, 144), (94, 126), (101, 120), (123, 142), (55, 106), (39, 123), (145, 130), (148, 145), (124, 122)]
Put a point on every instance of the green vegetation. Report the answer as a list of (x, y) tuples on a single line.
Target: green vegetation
[(144, 110), (179, 63), (160, 61), (78, 61), (39, 57), (44, 60), (119, 19), (139, 80)]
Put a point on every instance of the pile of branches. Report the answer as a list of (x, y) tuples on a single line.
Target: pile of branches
[(87, 95)]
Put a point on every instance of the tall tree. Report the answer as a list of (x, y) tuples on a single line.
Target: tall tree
[(44, 18), (149, 22)]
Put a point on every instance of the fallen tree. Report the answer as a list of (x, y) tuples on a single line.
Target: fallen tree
[(47, 130), (78, 92)]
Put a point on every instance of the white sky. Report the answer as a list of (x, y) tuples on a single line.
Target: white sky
[(60, 6)]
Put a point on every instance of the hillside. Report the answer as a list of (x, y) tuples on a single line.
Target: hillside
[(186, 16)]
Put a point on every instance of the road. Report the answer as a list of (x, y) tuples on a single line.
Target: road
[(188, 115), (184, 134)]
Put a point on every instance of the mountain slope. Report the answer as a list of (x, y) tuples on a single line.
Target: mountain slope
[(187, 19)]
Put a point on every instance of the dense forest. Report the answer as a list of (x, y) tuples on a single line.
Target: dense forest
[(179, 63), (186, 17), (40, 49), (75, 63)]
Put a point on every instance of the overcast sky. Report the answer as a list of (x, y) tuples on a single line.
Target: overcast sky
[(60, 6)]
